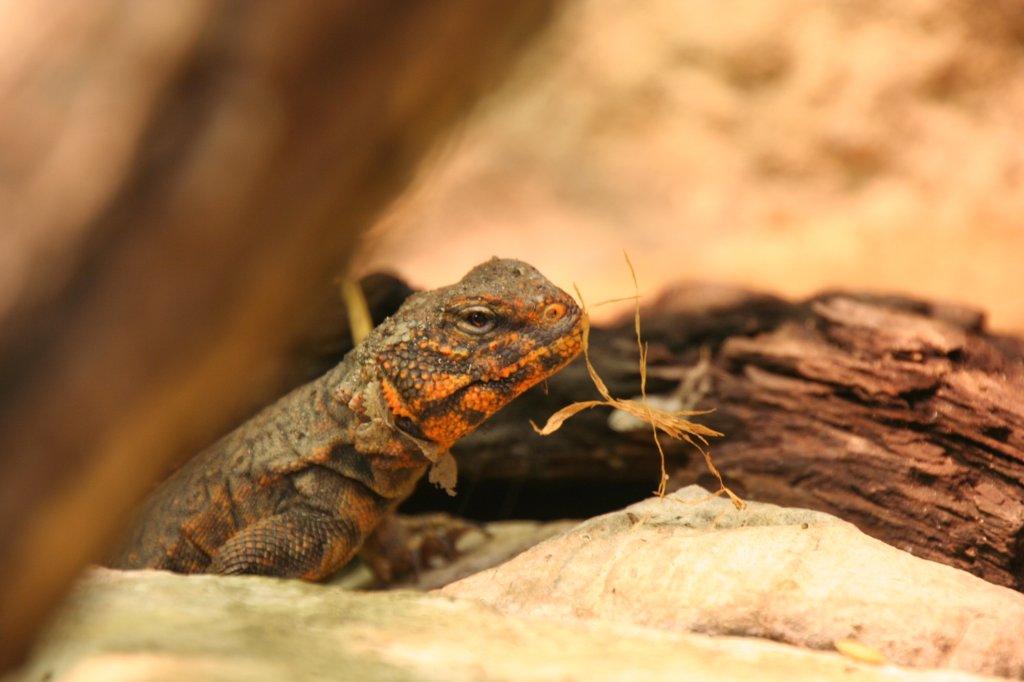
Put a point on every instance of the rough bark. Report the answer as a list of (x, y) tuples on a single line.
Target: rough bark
[(910, 425), (180, 180)]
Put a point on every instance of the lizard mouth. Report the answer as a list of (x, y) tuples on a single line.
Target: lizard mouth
[(442, 417), (458, 414)]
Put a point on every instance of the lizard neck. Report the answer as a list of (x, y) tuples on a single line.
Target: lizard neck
[(357, 388)]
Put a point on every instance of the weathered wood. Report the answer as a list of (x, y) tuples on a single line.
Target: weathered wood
[(910, 425), (904, 417), (180, 181)]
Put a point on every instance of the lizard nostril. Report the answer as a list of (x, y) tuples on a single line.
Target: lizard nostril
[(554, 312)]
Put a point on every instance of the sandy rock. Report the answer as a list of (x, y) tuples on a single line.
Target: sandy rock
[(152, 626), (795, 576), (788, 146)]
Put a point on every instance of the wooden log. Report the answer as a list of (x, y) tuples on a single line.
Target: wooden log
[(180, 180), (904, 419)]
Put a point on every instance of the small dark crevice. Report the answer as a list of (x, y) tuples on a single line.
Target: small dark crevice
[(924, 478), (916, 396), (999, 433), (907, 355), (849, 394), (762, 364), (1016, 564), (498, 500)]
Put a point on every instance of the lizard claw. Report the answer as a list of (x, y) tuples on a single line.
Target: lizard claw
[(403, 547)]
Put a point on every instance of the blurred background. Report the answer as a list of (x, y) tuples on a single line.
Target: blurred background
[(789, 146)]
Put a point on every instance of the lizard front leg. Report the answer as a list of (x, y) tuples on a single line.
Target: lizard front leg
[(299, 543), (314, 535)]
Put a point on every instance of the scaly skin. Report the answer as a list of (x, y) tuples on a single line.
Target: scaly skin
[(296, 490)]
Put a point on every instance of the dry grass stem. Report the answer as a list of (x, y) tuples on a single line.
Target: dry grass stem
[(672, 423), (859, 651), (359, 321)]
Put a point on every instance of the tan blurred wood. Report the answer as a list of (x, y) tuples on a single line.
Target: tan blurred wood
[(179, 180)]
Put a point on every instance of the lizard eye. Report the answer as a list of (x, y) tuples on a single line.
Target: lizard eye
[(477, 320), (554, 312)]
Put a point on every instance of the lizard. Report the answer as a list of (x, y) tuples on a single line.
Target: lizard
[(296, 490)]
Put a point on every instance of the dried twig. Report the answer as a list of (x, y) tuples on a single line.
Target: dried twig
[(672, 423)]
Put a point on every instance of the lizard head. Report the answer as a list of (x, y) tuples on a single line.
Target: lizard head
[(452, 357)]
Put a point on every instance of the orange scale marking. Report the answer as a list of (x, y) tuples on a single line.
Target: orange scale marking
[(445, 430)]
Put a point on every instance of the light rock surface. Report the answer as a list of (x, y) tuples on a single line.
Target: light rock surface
[(614, 598), (158, 626), (684, 565)]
